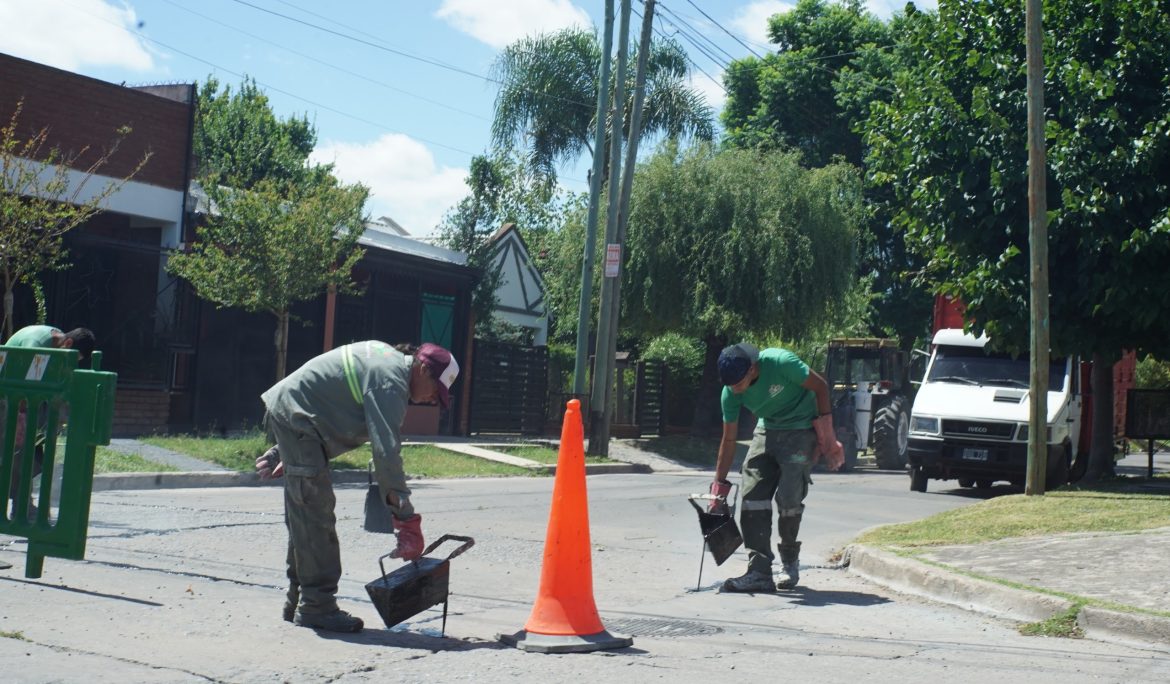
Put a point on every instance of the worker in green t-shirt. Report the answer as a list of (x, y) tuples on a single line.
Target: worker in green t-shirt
[(48, 337), (795, 429), (43, 337)]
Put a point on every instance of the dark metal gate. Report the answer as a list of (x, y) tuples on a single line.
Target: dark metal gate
[(649, 395), (509, 388)]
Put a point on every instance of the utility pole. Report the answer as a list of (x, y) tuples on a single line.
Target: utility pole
[(594, 200), (1038, 245), (603, 366), (615, 305)]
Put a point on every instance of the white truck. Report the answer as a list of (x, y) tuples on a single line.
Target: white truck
[(970, 416)]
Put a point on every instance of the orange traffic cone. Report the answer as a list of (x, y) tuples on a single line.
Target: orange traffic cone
[(564, 618)]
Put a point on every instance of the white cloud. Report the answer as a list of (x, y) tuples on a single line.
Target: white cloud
[(405, 182), (74, 35), (710, 89), (503, 22), (751, 21)]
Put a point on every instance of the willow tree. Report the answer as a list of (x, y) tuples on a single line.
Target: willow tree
[(735, 244)]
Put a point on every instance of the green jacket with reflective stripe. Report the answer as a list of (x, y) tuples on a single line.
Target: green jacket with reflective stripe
[(346, 397)]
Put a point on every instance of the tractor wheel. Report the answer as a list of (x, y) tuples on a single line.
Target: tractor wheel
[(891, 435)]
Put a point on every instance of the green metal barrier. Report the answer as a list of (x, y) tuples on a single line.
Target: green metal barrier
[(39, 388)]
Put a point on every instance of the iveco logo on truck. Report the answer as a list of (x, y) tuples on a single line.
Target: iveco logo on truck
[(977, 428)]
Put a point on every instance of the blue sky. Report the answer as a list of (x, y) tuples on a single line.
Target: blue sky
[(398, 89)]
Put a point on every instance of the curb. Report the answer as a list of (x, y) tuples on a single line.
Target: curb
[(1133, 629), (913, 577), (192, 480), (919, 579)]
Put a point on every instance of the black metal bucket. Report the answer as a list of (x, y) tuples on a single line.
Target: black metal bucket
[(414, 587), (719, 532)]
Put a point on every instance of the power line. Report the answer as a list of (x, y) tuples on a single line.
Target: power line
[(699, 33), (324, 63), (735, 37), (679, 30), (662, 35)]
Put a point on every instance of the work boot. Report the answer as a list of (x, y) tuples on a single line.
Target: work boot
[(789, 575), (789, 565), (337, 621), (292, 598), (751, 582)]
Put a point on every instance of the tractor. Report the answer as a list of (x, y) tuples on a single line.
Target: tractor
[(871, 393)]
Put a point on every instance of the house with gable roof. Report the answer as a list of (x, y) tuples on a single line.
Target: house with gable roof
[(520, 293)]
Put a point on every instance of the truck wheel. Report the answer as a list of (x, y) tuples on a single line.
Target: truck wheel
[(984, 483), (966, 482), (891, 435), (917, 479)]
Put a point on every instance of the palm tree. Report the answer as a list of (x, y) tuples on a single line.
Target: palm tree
[(548, 96)]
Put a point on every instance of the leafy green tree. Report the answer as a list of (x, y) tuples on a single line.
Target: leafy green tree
[(279, 230), (239, 141), (274, 245), (951, 147), (833, 60), (730, 245), (548, 97), (502, 190), (39, 203)]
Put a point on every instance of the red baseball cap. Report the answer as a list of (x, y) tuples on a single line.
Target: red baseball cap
[(443, 367)]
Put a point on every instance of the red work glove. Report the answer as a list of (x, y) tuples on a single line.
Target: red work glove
[(269, 465), (827, 444), (410, 538), (720, 489)]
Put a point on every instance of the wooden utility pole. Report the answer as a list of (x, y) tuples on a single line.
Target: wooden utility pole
[(615, 304), (594, 200), (603, 366), (1038, 244)]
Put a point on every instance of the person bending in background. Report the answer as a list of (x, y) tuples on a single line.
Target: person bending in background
[(334, 403), (795, 429)]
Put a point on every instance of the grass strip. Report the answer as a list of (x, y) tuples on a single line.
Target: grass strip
[(110, 461), (239, 453)]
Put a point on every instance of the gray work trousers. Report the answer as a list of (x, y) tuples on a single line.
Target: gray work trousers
[(314, 555), (776, 468)]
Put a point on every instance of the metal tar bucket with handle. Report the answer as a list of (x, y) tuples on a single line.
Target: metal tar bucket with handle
[(720, 533), (416, 586)]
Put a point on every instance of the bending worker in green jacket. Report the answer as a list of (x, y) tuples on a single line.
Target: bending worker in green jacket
[(795, 429), (332, 404)]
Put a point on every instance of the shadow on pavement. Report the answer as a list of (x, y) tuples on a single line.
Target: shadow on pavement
[(98, 594), (804, 596)]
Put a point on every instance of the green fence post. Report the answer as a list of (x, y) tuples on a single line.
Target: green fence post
[(48, 385)]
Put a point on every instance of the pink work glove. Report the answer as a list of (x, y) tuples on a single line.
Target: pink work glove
[(269, 465), (410, 538), (827, 445), (720, 489)]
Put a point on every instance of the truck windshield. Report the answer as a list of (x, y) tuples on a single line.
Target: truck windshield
[(974, 366)]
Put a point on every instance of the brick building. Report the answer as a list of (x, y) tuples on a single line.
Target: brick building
[(183, 364)]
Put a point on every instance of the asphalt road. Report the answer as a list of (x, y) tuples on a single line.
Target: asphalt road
[(186, 586)]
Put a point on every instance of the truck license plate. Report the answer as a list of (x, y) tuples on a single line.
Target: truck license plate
[(975, 454)]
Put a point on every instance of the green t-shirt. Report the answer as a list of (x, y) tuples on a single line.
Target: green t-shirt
[(32, 336), (776, 397)]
